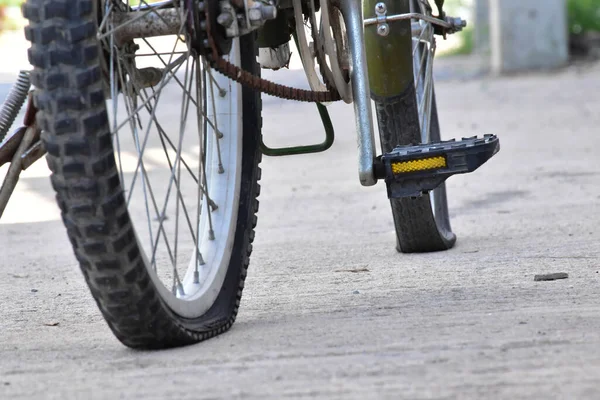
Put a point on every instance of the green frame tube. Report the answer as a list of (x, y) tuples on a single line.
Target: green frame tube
[(312, 148), (307, 149), (389, 64)]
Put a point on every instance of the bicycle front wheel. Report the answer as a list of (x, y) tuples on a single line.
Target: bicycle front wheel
[(410, 117), (154, 160)]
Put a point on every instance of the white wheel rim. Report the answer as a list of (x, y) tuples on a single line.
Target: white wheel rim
[(197, 278)]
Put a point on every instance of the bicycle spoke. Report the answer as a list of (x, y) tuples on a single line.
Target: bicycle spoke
[(421, 45), (158, 56), (428, 94), (184, 112), (164, 137), (159, 216), (131, 97), (176, 64), (216, 129), (199, 260), (423, 52), (156, 154), (145, 180), (167, 197), (107, 13), (427, 88), (137, 55), (221, 91), (153, 117), (420, 38), (114, 96), (180, 198), (141, 92), (177, 284), (211, 232)]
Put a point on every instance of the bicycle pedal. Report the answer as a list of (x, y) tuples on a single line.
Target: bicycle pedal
[(410, 171)]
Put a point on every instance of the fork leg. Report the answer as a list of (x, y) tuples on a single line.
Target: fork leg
[(353, 18)]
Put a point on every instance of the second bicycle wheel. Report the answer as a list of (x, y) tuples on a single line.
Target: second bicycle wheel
[(410, 117), (154, 160)]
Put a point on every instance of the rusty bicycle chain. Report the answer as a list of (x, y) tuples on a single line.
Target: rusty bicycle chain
[(256, 82)]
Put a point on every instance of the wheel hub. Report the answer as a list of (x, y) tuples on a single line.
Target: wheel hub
[(202, 28)]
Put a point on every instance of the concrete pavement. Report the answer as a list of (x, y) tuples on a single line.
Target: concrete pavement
[(469, 323)]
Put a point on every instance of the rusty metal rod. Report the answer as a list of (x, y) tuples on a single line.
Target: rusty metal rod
[(33, 154), (15, 168), (127, 26), (11, 144)]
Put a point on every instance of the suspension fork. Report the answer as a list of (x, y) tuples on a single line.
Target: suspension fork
[(378, 68)]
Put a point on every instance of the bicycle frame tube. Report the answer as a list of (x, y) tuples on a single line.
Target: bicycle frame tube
[(353, 18), (389, 64), (378, 68)]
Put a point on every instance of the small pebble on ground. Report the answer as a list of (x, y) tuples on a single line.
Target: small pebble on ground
[(551, 277)]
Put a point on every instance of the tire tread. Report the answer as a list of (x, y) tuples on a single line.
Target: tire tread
[(65, 55)]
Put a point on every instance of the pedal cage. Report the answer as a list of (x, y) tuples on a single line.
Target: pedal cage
[(410, 171)]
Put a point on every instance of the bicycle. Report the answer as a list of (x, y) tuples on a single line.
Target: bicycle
[(171, 272)]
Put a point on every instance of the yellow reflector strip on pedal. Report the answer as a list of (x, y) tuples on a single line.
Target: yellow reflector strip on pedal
[(419, 165)]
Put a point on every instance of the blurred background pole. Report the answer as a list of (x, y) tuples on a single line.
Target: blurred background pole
[(527, 34), (482, 27)]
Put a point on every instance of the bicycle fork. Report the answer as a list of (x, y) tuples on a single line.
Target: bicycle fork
[(409, 171), (353, 17)]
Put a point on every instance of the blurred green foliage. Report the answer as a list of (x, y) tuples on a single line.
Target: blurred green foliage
[(11, 3), (466, 37), (584, 15), (467, 41)]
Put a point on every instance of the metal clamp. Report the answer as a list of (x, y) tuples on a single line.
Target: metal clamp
[(451, 24), (383, 29)]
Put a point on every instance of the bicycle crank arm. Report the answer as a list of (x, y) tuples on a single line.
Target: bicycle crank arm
[(410, 171)]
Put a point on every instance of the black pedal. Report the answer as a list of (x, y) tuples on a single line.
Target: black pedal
[(410, 171)]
